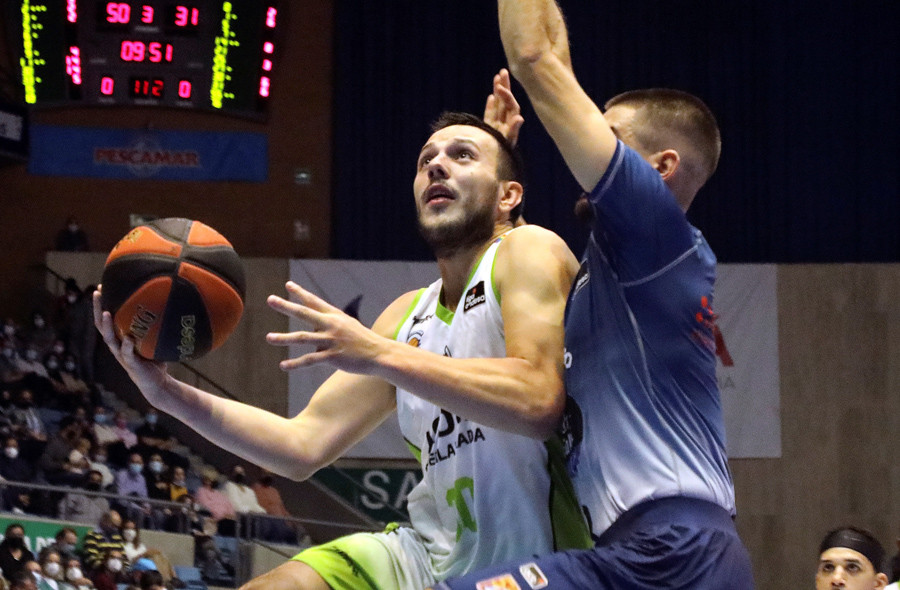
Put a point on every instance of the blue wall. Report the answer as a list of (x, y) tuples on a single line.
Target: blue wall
[(806, 94)]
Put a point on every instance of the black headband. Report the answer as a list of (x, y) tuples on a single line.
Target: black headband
[(850, 539)]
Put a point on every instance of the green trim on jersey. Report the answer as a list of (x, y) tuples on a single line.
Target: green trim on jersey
[(493, 263), (570, 531), (409, 310), (442, 313), (416, 451)]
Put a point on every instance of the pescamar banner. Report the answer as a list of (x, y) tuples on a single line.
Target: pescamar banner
[(147, 154)]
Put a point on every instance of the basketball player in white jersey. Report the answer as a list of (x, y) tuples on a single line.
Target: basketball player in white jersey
[(484, 342)]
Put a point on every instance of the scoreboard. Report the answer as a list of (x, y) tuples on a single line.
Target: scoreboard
[(202, 54)]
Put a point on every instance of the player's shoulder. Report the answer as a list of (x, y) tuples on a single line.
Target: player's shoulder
[(524, 243), (393, 315), (529, 237)]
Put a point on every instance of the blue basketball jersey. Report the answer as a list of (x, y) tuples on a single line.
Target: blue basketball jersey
[(643, 418)]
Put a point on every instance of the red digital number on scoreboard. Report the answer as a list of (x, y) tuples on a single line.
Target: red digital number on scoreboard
[(118, 13), (154, 51), (186, 16), (147, 87)]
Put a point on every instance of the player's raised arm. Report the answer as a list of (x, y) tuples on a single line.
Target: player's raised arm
[(537, 49), (342, 411), (522, 392)]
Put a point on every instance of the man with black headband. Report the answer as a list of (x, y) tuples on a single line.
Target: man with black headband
[(850, 558)]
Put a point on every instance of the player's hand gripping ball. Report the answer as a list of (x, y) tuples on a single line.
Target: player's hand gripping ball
[(176, 287)]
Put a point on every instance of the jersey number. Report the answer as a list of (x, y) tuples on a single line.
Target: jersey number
[(456, 499)]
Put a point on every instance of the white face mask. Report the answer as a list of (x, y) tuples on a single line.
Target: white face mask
[(11, 452), (114, 564), (73, 574), (51, 569), (129, 534)]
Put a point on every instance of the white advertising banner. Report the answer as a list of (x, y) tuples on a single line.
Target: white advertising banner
[(747, 369), (746, 302)]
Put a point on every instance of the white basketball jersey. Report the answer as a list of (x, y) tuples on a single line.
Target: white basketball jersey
[(485, 496)]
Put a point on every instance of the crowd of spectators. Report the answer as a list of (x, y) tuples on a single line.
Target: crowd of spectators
[(56, 430)]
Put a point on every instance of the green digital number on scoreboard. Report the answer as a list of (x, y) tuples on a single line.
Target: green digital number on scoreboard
[(201, 54)]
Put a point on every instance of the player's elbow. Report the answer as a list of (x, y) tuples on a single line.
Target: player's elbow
[(524, 59), (544, 414), (301, 466)]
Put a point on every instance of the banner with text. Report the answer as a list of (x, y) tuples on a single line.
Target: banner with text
[(747, 341), (148, 154)]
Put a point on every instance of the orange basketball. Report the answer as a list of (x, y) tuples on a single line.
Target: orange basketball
[(176, 286)]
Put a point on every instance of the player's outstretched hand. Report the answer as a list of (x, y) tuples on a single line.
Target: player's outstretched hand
[(147, 375), (339, 340), (502, 111)]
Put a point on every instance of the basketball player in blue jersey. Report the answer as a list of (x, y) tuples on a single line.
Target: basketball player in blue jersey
[(463, 361), (643, 423)]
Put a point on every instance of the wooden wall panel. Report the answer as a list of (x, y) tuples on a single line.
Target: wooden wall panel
[(839, 340)]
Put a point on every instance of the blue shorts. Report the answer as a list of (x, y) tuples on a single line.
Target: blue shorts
[(675, 543)]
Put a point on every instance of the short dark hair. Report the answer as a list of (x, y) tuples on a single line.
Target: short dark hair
[(65, 530), (150, 578), (679, 112), (20, 578), (510, 165), (14, 525)]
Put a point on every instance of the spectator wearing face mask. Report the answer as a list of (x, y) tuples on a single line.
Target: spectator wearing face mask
[(10, 373), (79, 458), (13, 552), (130, 481), (111, 571), (134, 548), (154, 474), (80, 507), (77, 390), (34, 568), (99, 542), (55, 457), (119, 450), (103, 427), (76, 325), (38, 335), (71, 237), (177, 483), (28, 426), (53, 363), (99, 462), (241, 495), (154, 437), (75, 575), (14, 468), (65, 542), (243, 498), (52, 575)]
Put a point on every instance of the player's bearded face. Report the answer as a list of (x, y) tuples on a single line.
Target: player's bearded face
[(469, 222), (457, 189)]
